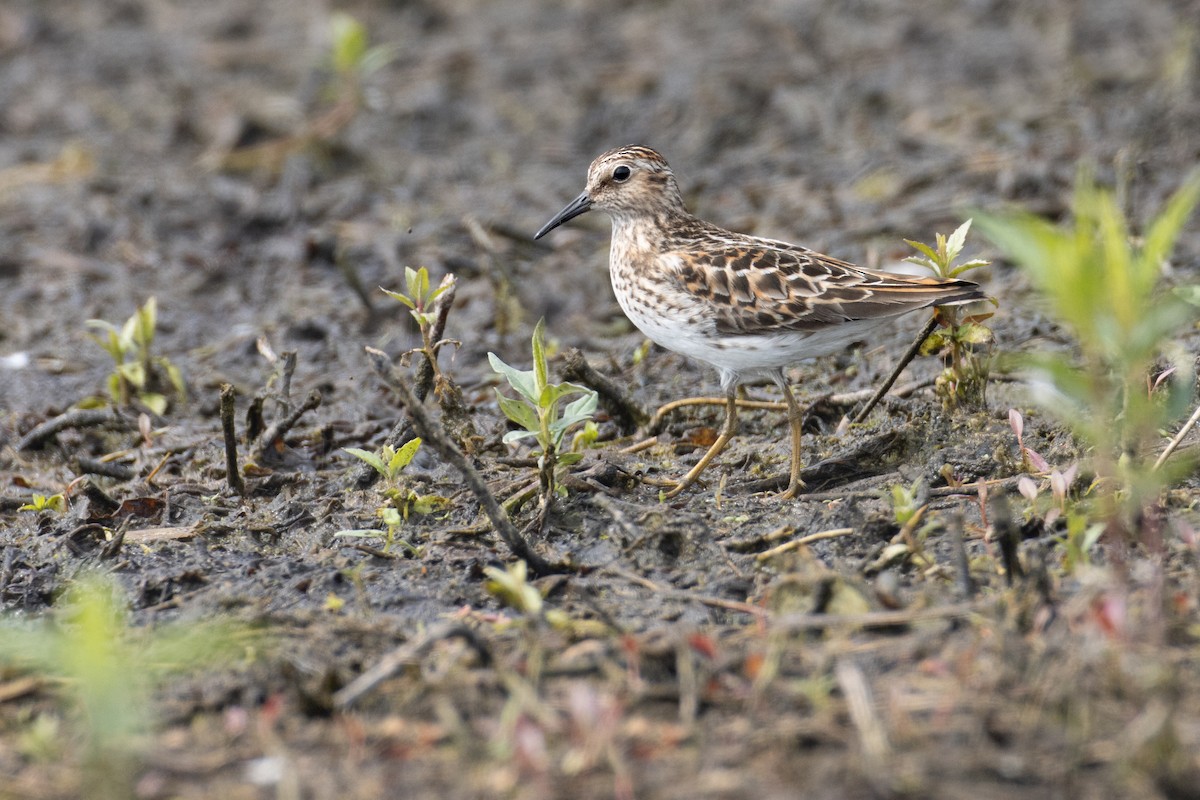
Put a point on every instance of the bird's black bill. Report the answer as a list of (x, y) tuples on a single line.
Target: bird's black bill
[(578, 206)]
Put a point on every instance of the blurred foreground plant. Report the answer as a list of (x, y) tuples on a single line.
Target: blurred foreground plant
[(1105, 288), (105, 671)]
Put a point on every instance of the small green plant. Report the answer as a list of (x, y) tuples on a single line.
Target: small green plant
[(138, 375), (401, 500), (419, 298), (964, 379), (107, 671), (540, 412), (512, 588), (388, 462), (350, 57), (1105, 289), (42, 503), (908, 512), (393, 520)]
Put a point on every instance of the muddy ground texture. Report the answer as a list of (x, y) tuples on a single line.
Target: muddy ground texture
[(192, 153)]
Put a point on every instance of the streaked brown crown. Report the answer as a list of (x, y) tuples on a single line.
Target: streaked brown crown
[(649, 188)]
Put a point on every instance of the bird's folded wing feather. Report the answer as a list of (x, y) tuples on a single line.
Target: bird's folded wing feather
[(763, 289)]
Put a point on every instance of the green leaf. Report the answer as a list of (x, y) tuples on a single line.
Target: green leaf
[(370, 458), (512, 588), (147, 321), (583, 408), (134, 372), (519, 412), (349, 42), (524, 382), (1188, 294), (973, 334), (442, 287), (924, 248), (585, 438), (116, 387), (1160, 239), (403, 457), (110, 343), (954, 244), (575, 413), (157, 403), (429, 503), (567, 459), (541, 372), (405, 299), (922, 262), (418, 283), (128, 335), (933, 343)]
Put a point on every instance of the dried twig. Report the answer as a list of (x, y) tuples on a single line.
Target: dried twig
[(962, 562), (1008, 536), (233, 475), (407, 653), (85, 465), (629, 414), (79, 418), (908, 356), (872, 734), (1187, 426), (278, 429), (796, 544)]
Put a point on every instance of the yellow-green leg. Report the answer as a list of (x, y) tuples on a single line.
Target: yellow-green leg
[(727, 432), (795, 423)]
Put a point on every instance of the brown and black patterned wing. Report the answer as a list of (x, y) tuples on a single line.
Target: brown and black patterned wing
[(763, 288)]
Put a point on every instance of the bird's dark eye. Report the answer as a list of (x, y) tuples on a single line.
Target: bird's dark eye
[(621, 174)]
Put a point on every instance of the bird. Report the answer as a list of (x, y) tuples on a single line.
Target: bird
[(748, 306)]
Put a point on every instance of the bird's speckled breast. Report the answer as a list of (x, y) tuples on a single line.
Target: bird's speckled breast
[(643, 279)]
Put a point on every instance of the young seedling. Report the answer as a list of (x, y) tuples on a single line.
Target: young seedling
[(1031, 460), (908, 511), (138, 375), (41, 503), (105, 671), (512, 588), (388, 462), (419, 298), (349, 62), (350, 57), (964, 379), (401, 500), (393, 520), (1105, 289), (540, 412)]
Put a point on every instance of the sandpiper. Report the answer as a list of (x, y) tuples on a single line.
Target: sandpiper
[(745, 305)]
